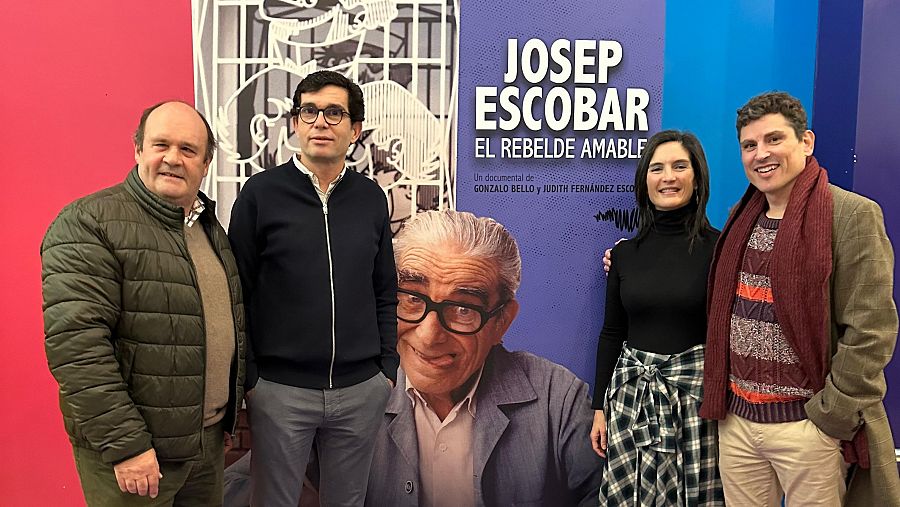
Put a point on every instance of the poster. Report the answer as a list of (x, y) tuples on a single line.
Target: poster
[(558, 174)]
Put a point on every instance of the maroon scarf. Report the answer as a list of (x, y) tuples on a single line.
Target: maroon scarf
[(801, 267)]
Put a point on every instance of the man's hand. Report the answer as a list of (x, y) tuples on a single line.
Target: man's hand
[(139, 475), (598, 433)]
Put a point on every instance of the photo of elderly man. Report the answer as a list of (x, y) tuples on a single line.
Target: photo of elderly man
[(471, 423)]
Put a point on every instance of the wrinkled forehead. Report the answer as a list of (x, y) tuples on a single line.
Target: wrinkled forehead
[(446, 272)]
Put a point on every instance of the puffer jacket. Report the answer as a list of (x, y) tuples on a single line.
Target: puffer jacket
[(123, 323)]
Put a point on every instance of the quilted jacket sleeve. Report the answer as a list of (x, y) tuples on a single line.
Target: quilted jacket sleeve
[(81, 282)]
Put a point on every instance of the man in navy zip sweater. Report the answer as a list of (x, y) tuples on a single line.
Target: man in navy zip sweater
[(313, 245)]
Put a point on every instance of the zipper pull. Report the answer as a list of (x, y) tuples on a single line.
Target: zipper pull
[(325, 208)]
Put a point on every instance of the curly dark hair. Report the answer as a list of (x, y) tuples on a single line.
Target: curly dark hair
[(773, 103)]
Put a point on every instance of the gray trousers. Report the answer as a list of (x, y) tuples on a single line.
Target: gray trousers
[(285, 420)]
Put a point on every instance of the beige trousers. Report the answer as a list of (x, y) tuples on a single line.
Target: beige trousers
[(761, 462)]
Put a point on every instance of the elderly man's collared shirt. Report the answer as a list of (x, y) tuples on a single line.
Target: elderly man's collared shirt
[(196, 210), (446, 465), (323, 196)]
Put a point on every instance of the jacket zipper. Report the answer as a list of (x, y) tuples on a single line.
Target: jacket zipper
[(331, 282), (196, 280)]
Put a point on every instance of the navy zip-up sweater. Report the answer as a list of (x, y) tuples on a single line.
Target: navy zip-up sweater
[(297, 336)]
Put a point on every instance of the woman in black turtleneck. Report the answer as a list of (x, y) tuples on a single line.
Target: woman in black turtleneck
[(650, 353)]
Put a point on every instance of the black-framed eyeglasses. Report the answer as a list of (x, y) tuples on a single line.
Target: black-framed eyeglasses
[(333, 114), (456, 317)]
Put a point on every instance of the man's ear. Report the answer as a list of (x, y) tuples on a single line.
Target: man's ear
[(356, 127), (809, 142), (506, 317)]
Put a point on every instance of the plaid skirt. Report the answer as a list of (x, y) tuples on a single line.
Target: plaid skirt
[(660, 452)]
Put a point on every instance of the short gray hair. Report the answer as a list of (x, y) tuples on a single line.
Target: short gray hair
[(480, 237)]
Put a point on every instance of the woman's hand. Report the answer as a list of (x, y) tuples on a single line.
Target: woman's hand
[(598, 433)]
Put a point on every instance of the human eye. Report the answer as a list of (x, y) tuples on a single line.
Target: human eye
[(748, 146), (655, 168), (309, 113), (463, 314), (334, 113), (409, 299)]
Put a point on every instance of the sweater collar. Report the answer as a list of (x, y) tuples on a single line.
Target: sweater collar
[(673, 222), (315, 179)]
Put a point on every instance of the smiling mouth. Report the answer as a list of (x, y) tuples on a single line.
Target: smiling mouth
[(669, 191), (438, 361), (766, 169), (171, 175)]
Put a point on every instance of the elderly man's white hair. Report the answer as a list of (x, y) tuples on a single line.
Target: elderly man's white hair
[(480, 237)]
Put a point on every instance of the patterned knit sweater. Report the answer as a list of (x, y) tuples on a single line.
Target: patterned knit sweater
[(766, 382)]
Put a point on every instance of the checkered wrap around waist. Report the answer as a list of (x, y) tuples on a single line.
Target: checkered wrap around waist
[(653, 381)]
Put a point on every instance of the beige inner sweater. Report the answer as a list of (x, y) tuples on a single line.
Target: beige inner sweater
[(217, 318)]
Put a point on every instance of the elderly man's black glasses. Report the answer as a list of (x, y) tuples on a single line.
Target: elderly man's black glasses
[(459, 318), (333, 114)]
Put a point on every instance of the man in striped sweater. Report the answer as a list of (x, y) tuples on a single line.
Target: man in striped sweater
[(801, 325)]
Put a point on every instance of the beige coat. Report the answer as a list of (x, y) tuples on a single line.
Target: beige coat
[(863, 335)]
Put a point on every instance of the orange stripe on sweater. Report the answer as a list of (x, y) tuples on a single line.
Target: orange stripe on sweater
[(752, 293), (755, 397)]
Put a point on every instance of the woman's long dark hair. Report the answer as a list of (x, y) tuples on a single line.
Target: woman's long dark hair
[(697, 224)]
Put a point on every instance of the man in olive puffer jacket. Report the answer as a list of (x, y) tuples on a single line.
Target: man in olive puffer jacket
[(144, 323)]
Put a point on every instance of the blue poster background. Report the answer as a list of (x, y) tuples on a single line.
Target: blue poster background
[(561, 235)]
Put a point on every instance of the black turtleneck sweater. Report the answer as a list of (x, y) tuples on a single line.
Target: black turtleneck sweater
[(655, 294)]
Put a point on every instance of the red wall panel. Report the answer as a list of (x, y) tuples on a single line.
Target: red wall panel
[(76, 76)]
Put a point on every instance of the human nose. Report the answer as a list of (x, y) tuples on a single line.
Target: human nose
[(172, 156), (762, 152), (320, 119), (430, 331), (668, 174)]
